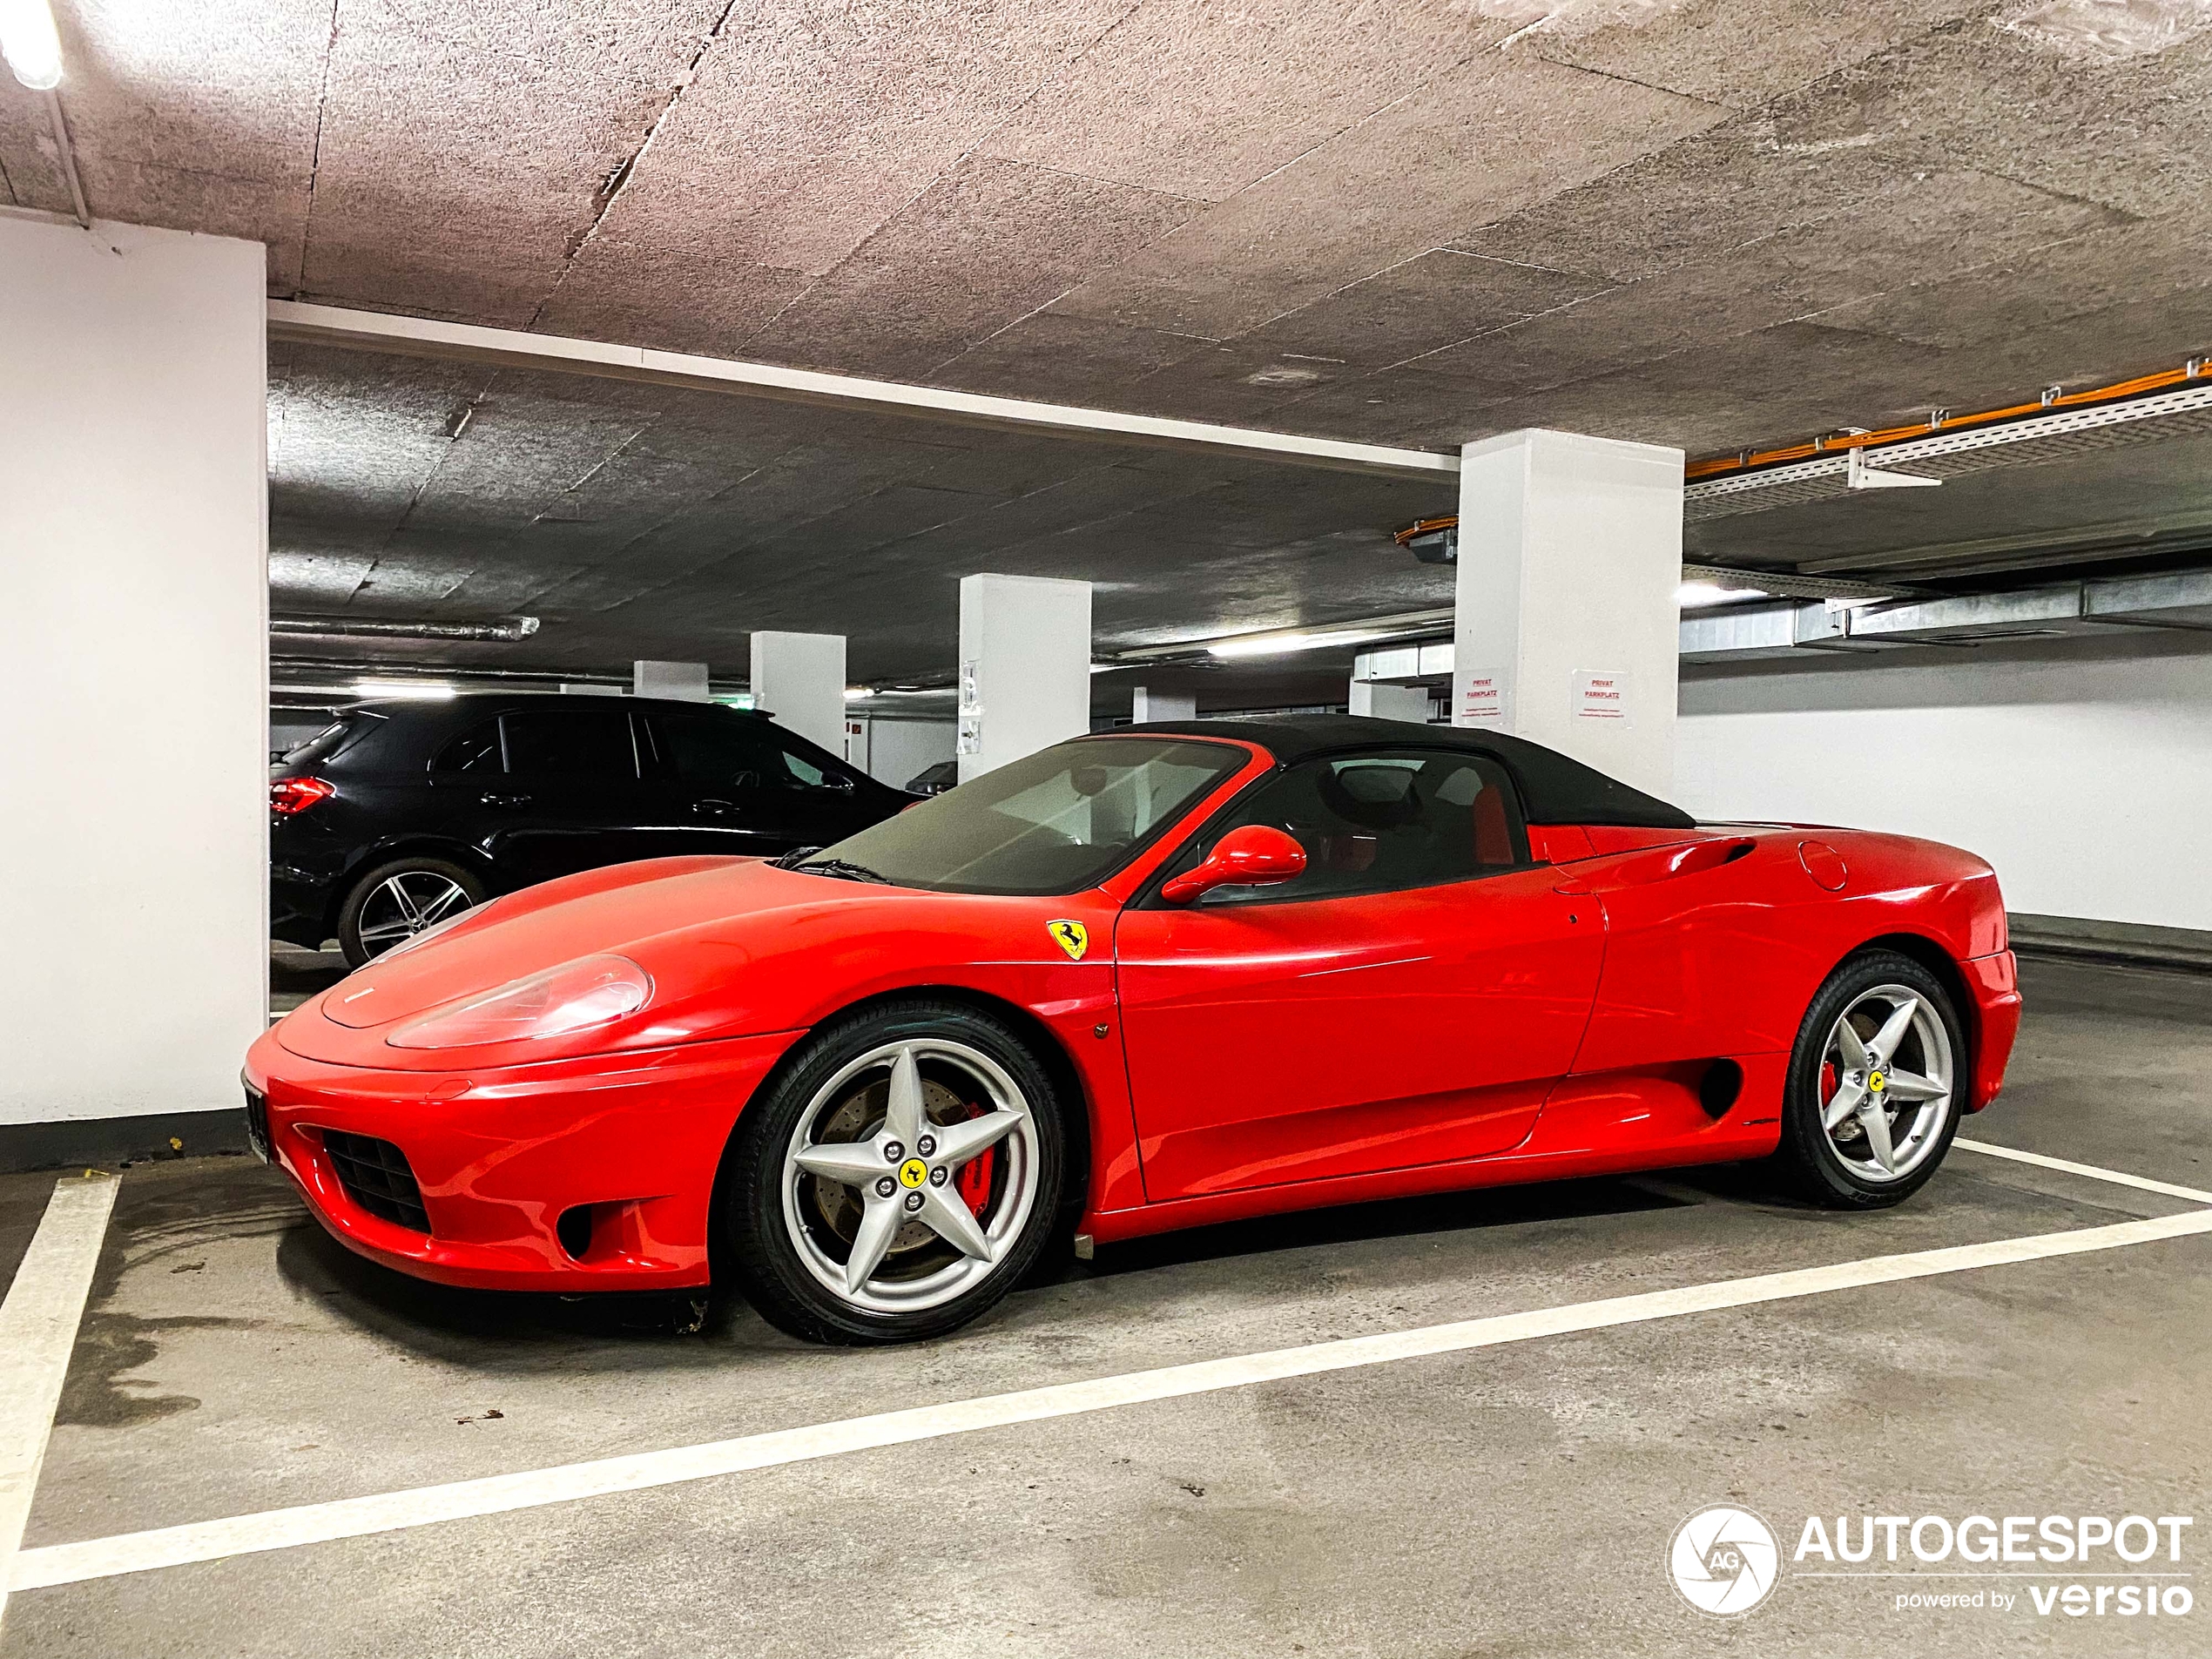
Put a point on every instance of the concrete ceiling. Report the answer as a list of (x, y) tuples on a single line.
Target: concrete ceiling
[(653, 521), (1709, 223)]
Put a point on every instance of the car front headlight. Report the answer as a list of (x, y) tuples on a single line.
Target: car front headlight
[(575, 996)]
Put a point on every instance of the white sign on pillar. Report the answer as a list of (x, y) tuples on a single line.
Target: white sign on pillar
[(1567, 633), (799, 679), (1024, 668)]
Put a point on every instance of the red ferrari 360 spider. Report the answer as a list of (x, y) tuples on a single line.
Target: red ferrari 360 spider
[(1168, 975)]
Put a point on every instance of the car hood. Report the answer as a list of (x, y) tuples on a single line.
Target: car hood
[(612, 910), (696, 925)]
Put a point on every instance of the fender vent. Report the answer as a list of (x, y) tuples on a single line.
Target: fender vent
[(1718, 1088)]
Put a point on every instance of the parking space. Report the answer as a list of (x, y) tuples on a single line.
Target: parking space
[(1086, 619), (1506, 1498)]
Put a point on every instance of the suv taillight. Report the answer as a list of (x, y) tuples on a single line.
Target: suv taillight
[(290, 795)]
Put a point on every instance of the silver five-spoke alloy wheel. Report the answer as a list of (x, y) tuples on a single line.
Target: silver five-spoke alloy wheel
[(872, 1198), (1886, 1080), (401, 905)]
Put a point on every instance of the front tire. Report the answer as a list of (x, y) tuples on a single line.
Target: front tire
[(1873, 1097), (395, 901), (898, 1178)]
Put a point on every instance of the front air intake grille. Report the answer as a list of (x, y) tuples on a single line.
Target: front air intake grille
[(376, 1176), (257, 1122)]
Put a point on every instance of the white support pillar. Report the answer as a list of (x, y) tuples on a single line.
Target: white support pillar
[(799, 679), (1570, 551), (1145, 704), (134, 673), (1024, 667), (686, 682), (1387, 702)]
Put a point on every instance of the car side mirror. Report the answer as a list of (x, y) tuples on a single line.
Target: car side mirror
[(1252, 855)]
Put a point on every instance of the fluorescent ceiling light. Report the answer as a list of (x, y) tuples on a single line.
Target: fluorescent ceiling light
[(403, 688), (1273, 644), (29, 43), (1692, 595)]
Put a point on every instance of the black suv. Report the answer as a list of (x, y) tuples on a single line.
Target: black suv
[(399, 814)]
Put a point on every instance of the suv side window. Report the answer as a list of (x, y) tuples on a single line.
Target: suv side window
[(716, 754), (579, 746), (1381, 823), (476, 751)]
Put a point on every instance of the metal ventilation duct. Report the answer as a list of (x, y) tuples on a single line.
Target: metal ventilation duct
[(502, 630), (2182, 600)]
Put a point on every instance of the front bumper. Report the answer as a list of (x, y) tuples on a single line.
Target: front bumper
[(501, 1156), (1993, 983)]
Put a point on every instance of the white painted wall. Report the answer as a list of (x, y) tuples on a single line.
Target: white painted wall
[(1024, 667), (133, 669), (686, 682), (2087, 782), (1384, 702), (799, 679), (1147, 702), (898, 750), (1568, 628)]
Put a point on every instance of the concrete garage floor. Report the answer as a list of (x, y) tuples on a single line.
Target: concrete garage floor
[(1505, 1500)]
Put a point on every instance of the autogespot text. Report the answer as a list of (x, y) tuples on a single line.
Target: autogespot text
[(2123, 1556)]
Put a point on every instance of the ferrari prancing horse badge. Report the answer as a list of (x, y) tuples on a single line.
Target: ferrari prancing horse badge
[(1073, 936)]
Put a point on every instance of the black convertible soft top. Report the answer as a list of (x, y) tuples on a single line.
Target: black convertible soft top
[(1553, 789)]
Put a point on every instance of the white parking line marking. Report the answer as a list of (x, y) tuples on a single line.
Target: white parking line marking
[(393, 1511), (2118, 1178), (38, 1329)]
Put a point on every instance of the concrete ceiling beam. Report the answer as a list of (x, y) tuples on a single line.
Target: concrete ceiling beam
[(377, 331)]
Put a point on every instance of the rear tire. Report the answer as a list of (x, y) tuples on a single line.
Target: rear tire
[(1871, 1100), (858, 1152), (394, 901)]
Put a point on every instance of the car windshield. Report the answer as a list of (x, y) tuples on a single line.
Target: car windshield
[(1057, 821)]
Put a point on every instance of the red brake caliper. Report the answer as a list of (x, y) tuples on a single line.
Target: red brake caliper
[(1827, 1081), (974, 1181)]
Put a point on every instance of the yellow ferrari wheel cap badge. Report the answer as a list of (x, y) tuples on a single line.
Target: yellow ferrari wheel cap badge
[(1072, 937), (1876, 1082), (912, 1173)]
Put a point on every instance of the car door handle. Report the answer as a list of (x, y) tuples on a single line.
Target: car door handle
[(490, 799), (715, 808)]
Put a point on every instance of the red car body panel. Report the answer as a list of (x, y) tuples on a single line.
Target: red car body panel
[(1363, 1033), (1551, 1022)]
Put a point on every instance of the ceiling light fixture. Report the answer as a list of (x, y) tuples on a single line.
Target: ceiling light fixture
[(1692, 595), (403, 688), (29, 43), (1274, 644)]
